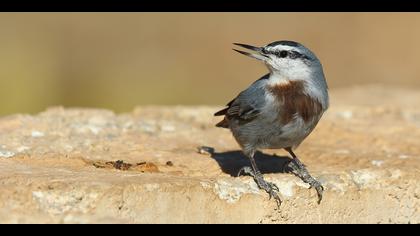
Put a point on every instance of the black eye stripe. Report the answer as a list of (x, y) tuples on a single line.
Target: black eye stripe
[(294, 54), (285, 53)]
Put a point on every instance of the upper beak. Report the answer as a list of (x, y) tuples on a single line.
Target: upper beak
[(258, 55)]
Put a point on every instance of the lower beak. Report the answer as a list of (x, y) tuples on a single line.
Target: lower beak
[(258, 55)]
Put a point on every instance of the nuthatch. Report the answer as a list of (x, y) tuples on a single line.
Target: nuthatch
[(279, 110)]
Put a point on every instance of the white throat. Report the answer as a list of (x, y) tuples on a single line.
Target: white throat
[(277, 79), (286, 76)]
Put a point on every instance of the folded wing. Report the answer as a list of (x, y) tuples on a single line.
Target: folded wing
[(246, 106)]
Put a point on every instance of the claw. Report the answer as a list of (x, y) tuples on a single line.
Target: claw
[(319, 191), (299, 170), (274, 195), (319, 199), (270, 188)]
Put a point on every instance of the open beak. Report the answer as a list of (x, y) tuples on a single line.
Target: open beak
[(258, 51)]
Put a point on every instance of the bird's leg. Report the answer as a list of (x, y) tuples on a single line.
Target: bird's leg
[(299, 170), (270, 188)]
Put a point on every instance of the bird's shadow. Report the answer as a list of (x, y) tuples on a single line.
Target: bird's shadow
[(232, 161)]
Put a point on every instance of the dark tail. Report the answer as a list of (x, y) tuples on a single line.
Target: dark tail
[(221, 112), (223, 124)]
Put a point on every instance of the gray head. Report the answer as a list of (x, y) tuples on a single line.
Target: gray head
[(286, 58), (288, 61)]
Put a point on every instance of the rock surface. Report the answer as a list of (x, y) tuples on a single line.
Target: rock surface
[(94, 166)]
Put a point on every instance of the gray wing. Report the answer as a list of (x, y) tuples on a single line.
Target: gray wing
[(246, 106)]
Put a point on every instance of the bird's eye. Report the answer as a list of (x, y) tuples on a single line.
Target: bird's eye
[(283, 54)]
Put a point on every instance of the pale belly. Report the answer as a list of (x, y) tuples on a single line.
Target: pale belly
[(268, 133)]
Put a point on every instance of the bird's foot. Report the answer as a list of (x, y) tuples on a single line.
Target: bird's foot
[(269, 187), (319, 189), (299, 170)]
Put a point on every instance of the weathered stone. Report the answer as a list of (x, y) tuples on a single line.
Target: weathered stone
[(93, 166)]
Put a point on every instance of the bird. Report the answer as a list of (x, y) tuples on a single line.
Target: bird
[(279, 110)]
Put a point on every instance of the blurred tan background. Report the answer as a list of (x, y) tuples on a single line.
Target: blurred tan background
[(120, 60)]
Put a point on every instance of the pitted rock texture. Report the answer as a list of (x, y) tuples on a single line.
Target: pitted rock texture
[(74, 165)]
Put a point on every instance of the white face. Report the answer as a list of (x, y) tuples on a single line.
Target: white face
[(288, 61)]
